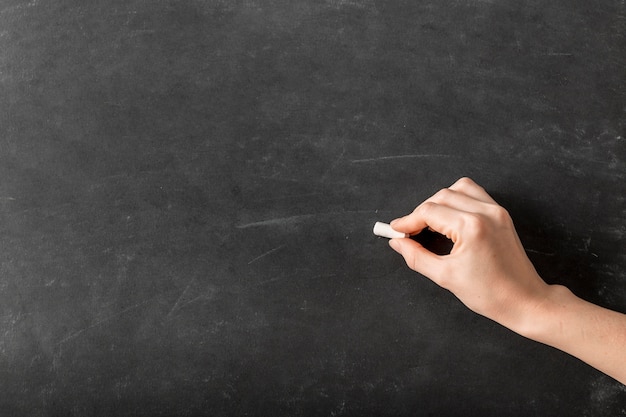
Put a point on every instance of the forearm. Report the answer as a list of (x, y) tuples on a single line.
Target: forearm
[(591, 333)]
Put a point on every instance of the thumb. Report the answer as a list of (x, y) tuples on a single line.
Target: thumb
[(416, 256)]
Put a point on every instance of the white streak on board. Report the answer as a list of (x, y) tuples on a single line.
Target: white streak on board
[(266, 254), (396, 157)]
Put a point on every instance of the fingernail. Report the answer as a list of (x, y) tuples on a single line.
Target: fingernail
[(393, 222), (395, 245)]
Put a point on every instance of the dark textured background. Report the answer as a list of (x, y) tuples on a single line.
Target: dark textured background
[(187, 190)]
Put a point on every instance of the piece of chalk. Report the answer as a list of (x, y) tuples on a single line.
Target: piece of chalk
[(384, 230)]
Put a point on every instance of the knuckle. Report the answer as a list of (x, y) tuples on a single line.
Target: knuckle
[(425, 208), (474, 225), (464, 183), (442, 195), (501, 215)]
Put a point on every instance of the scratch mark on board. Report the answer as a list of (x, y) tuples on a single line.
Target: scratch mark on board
[(396, 157), (281, 221), (178, 300), (193, 300), (540, 252), (276, 221), (266, 254), (101, 322)]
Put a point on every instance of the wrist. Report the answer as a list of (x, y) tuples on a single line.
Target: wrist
[(544, 317)]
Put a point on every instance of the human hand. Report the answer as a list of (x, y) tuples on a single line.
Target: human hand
[(487, 269)]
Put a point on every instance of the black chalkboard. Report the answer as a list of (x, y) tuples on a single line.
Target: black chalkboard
[(188, 187)]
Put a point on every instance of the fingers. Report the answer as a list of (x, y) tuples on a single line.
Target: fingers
[(417, 257), (464, 196), (458, 200), (438, 217)]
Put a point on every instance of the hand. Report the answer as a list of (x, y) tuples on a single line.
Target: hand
[(487, 269)]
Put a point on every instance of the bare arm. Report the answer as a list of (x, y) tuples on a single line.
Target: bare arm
[(488, 270)]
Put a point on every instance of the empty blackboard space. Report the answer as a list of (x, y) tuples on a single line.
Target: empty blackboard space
[(188, 187)]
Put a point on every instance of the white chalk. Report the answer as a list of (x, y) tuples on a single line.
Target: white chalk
[(384, 230)]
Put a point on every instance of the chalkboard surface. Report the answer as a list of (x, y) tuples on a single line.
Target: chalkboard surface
[(188, 187)]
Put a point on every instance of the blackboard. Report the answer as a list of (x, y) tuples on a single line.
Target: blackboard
[(188, 187)]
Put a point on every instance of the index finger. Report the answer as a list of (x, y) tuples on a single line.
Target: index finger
[(440, 218)]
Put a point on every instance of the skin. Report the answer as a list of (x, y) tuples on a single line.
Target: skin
[(488, 270)]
